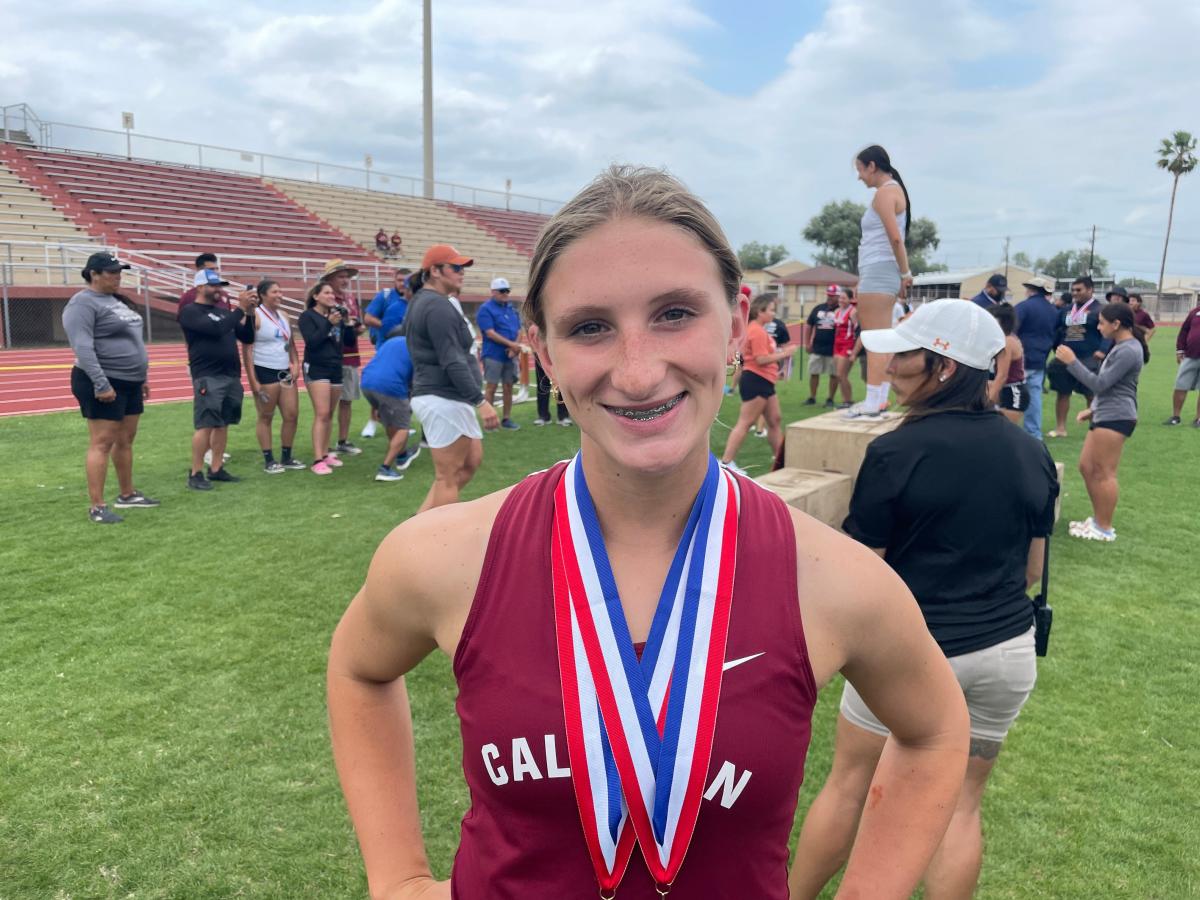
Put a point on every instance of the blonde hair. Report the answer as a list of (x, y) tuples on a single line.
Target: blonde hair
[(623, 191)]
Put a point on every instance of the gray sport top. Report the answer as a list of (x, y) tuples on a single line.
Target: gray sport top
[(106, 336), (1116, 384)]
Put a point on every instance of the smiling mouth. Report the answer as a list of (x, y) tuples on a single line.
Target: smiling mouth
[(646, 415)]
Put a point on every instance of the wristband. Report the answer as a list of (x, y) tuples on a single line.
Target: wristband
[(906, 275)]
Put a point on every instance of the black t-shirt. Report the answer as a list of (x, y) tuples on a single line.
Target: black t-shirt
[(323, 341), (778, 330), (821, 321), (212, 334), (955, 498)]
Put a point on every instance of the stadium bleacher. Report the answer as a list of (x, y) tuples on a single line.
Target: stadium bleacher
[(518, 229), (31, 230)]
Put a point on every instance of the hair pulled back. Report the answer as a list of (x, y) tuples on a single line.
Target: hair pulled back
[(1121, 314), (877, 155)]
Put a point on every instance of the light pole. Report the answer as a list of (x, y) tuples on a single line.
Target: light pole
[(428, 96), (127, 124)]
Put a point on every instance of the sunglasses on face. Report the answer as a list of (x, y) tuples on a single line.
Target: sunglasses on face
[(504, 291), (453, 267)]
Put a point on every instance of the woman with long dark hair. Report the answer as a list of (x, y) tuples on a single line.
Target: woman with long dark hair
[(321, 326), (959, 504), (273, 369), (1113, 414), (639, 563), (1007, 388), (883, 270)]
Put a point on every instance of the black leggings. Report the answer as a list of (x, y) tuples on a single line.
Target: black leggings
[(543, 395)]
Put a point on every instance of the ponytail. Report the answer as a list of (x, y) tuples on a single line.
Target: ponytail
[(416, 280), (1140, 333), (1122, 315), (877, 155)]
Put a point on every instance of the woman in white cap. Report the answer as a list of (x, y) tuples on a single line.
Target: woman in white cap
[(447, 385), (633, 307), (959, 504)]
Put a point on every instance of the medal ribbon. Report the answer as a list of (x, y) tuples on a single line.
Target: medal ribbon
[(640, 732), (285, 331)]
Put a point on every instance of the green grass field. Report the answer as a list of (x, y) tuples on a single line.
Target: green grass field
[(162, 719)]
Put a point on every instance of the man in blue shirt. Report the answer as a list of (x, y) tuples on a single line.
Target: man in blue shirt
[(387, 385), (377, 311), (500, 323), (1037, 324), (992, 293)]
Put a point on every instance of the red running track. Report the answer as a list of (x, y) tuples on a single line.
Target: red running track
[(39, 381)]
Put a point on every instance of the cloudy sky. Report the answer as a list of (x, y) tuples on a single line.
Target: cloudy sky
[(1035, 120)]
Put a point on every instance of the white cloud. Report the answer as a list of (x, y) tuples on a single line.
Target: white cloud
[(1045, 120)]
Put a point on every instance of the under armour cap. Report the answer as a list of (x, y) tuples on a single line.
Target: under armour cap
[(957, 329), (442, 255), (208, 276), (500, 284)]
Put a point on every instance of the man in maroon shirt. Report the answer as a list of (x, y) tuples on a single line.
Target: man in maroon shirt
[(339, 274), (1141, 318), (1187, 352)]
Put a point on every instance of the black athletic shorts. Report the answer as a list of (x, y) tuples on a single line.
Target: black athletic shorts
[(317, 372), (1121, 426), (1063, 382), (1014, 397), (272, 376), (128, 402), (752, 385), (216, 401)]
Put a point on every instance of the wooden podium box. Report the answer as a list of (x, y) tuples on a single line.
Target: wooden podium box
[(823, 495), (833, 443)]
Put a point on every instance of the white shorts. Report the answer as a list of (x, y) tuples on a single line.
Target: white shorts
[(996, 682), (445, 421)]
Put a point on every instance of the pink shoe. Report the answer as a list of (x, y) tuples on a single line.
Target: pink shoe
[(332, 460), (321, 468)]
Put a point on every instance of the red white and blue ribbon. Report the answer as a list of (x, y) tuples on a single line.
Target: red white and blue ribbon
[(640, 732)]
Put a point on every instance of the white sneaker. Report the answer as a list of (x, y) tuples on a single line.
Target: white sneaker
[(369, 429), (861, 411), (1088, 530), (762, 433), (521, 395), (566, 423), (225, 457), (540, 422)]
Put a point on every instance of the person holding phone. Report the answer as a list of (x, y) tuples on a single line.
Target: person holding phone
[(760, 371), (273, 370), (321, 327)]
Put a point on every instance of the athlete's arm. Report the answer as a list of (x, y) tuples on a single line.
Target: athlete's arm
[(1003, 364), (870, 628), (418, 587)]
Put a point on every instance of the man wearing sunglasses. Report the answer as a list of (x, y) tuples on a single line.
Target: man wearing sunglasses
[(500, 323)]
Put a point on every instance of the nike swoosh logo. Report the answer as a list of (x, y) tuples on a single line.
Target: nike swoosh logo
[(737, 662)]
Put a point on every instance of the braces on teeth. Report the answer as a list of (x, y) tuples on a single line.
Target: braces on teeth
[(651, 413)]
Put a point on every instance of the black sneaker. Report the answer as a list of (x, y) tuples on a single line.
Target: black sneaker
[(274, 468), (347, 448), (197, 482), (1174, 420), (829, 404), (811, 401), (222, 475), (293, 464), (102, 515), (135, 500)]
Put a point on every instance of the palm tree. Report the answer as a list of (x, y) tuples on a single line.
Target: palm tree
[(1176, 156)]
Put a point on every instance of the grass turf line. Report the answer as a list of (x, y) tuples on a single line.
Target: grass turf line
[(163, 732)]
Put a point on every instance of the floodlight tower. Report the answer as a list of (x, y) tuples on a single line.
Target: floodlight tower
[(428, 98)]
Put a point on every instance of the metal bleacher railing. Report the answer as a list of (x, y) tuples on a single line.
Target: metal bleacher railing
[(20, 123)]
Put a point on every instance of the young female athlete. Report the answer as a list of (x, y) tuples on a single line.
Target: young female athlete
[(883, 271), (273, 368), (635, 680)]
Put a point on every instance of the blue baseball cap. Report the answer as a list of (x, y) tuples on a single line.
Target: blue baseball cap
[(208, 276)]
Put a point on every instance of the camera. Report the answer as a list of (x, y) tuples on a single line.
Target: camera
[(342, 311)]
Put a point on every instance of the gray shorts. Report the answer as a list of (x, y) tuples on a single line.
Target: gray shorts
[(996, 681), (1188, 377), (394, 412), (216, 401), (351, 388), (879, 278), (499, 371), (821, 365)]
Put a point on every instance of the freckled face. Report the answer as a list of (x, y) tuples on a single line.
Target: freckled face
[(638, 334)]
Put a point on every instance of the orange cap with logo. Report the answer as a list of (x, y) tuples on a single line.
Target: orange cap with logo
[(444, 254)]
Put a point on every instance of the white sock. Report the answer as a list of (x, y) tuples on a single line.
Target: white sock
[(872, 401), (884, 390)]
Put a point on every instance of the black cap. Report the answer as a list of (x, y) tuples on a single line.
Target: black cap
[(998, 281), (104, 262), (1117, 291)]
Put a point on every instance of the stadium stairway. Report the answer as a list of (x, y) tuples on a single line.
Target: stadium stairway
[(172, 212), (517, 229), (360, 214), (27, 220)]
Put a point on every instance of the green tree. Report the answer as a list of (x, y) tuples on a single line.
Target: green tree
[(1021, 260), (837, 229), (761, 256), (1177, 156), (1070, 263), (1140, 283)]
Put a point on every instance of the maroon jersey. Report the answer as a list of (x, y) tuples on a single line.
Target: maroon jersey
[(521, 836)]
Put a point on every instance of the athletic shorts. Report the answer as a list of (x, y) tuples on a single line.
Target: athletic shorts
[(1014, 397), (128, 401), (996, 682), (753, 385), (499, 371), (351, 386), (445, 421), (266, 376), (844, 349), (821, 365), (1188, 376), (394, 412), (878, 278), (216, 401), (314, 373), (1063, 382), (1121, 426)]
